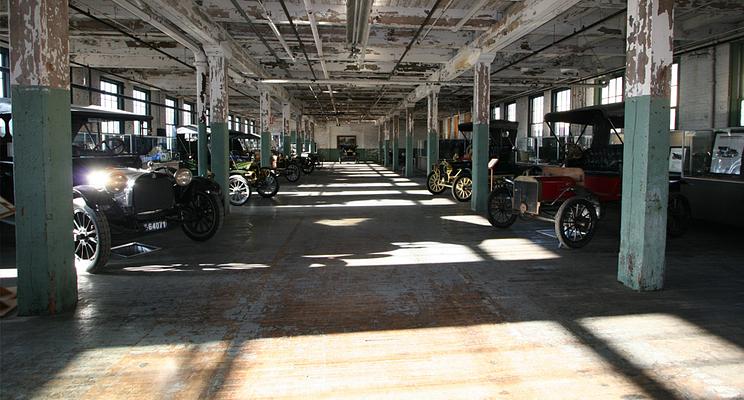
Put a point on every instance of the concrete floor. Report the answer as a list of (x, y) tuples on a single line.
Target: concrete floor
[(359, 283)]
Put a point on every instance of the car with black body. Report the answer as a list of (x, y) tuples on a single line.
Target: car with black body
[(115, 196)]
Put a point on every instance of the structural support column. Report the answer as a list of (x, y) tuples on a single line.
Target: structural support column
[(40, 86), (386, 144), (202, 150), (409, 142), (312, 146), (218, 112), (396, 143), (286, 116), (432, 127), (481, 114), (380, 138), (646, 149), (264, 105), (306, 133)]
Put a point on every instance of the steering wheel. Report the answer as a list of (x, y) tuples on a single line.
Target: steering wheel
[(573, 151), (114, 145)]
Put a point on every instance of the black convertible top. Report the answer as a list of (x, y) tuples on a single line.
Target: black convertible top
[(593, 115), (494, 126)]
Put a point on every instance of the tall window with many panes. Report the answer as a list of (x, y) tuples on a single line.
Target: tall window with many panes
[(511, 112), (674, 98), (111, 99), (496, 113), (536, 115), (562, 102), (4, 73), (171, 121), (187, 113), (612, 92), (141, 106)]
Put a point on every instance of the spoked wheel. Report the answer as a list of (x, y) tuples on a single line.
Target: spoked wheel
[(292, 172), (462, 188), (267, 184), (308, 166), (678, 215), (92, 237), (202, 216), (434, 183), (240, 190), (500, 213), (575, 222)]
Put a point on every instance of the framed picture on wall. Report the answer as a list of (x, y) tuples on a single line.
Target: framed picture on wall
[(344, 142)]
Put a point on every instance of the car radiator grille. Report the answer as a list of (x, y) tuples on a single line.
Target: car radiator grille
[(152, 192)]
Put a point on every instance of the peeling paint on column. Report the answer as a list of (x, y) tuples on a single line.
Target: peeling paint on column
[(286, 115), (396, 142), (409, 141), (264, 110), (482, 93), (218, 96), (40, 55), (650, 23), (432, 127), (201, 90)]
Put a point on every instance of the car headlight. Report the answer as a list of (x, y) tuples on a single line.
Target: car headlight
[(183, 177), (112, 181)]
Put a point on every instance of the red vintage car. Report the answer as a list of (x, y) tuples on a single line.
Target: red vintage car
[(571, 195)]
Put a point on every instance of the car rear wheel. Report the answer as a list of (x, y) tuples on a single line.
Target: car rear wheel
[(203, 216), (678, 215), (239, 190), (92, 237), (500, 212), (462, 188), (267, 184), (292, 172), (434, 183), (308, 166), (575, 222)]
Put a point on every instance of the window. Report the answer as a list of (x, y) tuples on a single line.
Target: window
[(496, 113), (562, 102), (236, 123), (141, 106), (536, 115), (245, 126), (511, 112), (252, 128), (674, 100), (737, 84), (613, 92), (112, 101), (4, 73), (187, 113), (229, 121), (170, 115)]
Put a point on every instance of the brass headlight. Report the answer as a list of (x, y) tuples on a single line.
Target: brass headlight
[(117, 181), (183, 177)]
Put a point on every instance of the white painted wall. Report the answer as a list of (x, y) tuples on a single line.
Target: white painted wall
[(366, 134)]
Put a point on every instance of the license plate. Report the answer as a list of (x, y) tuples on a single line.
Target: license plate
[(155, 226)]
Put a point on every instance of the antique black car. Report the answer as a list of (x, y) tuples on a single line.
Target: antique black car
[(347, 153), (455, 174), (114, 195), (288, 167)]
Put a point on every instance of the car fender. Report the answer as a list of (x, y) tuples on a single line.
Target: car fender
[(90, 196), (198, 183)]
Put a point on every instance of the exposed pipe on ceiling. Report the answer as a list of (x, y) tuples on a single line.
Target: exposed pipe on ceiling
[(274, 28), (441, 14), (261, 37), (468, 15), (319, 49), (357, 27)]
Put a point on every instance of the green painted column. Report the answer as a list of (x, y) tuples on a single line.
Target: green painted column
[(293, 141), (285, 145), (264, 105), (481, 115), (641, 261), (202, 150), (386, 155), (40, 92), (432, 126), (396, 144), (218, 103), (409, 142)]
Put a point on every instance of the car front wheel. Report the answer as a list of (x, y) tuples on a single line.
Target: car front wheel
[(434, 183), (575, 222), (462, 188), (267, 184), (203, 216), (91, 236), (500, 212), (239, 190), (292, 172)]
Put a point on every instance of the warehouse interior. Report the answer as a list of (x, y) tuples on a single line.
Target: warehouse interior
[(372, 199)]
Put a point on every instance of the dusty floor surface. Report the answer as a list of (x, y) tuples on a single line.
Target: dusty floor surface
[(359, 283)]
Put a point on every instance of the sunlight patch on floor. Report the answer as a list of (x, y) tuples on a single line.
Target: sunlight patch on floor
[(516, 249), (416, 253), (342, 221), (468, 219)]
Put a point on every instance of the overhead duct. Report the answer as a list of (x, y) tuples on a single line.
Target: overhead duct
[(357, 24)]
